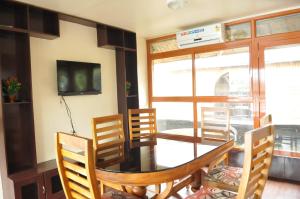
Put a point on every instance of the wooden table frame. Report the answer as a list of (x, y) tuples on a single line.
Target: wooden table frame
[(189, 172)]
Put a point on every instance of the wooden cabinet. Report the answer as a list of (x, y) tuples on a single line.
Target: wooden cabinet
[(42, 183), (53, 186), (281, 168)]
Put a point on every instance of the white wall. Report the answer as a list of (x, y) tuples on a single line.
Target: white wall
[(76, 43), (142, 71)]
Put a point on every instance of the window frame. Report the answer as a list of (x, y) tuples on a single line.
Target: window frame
[(255, 45)]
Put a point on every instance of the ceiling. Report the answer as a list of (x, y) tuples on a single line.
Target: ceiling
[(150, 18)]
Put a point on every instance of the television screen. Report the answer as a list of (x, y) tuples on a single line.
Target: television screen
[(78, 78)]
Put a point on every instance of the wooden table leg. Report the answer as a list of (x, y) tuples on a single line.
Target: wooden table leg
[(139, 191), (196, 184)]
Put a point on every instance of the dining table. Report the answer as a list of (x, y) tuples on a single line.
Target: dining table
[(156, 161)]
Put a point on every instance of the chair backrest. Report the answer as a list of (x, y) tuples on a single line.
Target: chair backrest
[(265, 120), (215, 123), (259, 145), (142, 123), (108, 139), (74, 156)]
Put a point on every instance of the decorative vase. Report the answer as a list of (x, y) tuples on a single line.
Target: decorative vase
[(12, 98)]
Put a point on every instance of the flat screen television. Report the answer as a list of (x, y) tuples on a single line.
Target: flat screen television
[(78, 78)]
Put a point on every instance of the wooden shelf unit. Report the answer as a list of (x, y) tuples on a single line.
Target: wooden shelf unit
[(112, 38), (18, 124), (124, 42), (22, 177), (126, 71), (13, 15), (43, 23), (38, 22)]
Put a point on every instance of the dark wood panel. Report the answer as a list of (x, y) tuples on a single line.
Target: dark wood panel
[(78, 20), (13, 15), (43, 23), (131, 71), (129, 40), (17, 117), (19, 137)]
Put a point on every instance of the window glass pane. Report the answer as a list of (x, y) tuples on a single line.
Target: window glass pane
[(237, 32), (282, 24), (282, 89), (172, 76), (164, 46), (223, 73), (241, 118), (175, 117)]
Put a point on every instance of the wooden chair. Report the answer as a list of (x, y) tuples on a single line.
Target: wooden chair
[(74, 156), (108, 139), (215, 124), (265, 120), (142, 123), (224, 176), (259, 145)]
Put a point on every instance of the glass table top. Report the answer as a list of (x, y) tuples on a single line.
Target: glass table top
[(150, 155)]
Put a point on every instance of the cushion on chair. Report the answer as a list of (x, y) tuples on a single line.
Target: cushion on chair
[(212, 193), (225, 175)]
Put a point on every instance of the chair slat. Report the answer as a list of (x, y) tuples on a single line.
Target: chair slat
[(77, 178), (261, 147), (142, 123), (73, 156), (83, 191), (110, 144), (143, 129), (110, 135), (76, 195), (108, 128), (110, 153), (141, 111), (260, 158), (257, 170), (137, 118), (142, 135), (75, 168)]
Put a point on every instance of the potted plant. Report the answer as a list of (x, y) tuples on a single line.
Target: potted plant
[(11, 87), (127, 87)]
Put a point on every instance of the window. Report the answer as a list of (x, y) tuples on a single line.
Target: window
[(175, 118), (164, 46), (282, 24), (223, 73), (282, 83), (173, 76), (238, 31)]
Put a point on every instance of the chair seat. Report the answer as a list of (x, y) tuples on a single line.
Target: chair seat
[(206, 192), (225, 177)]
